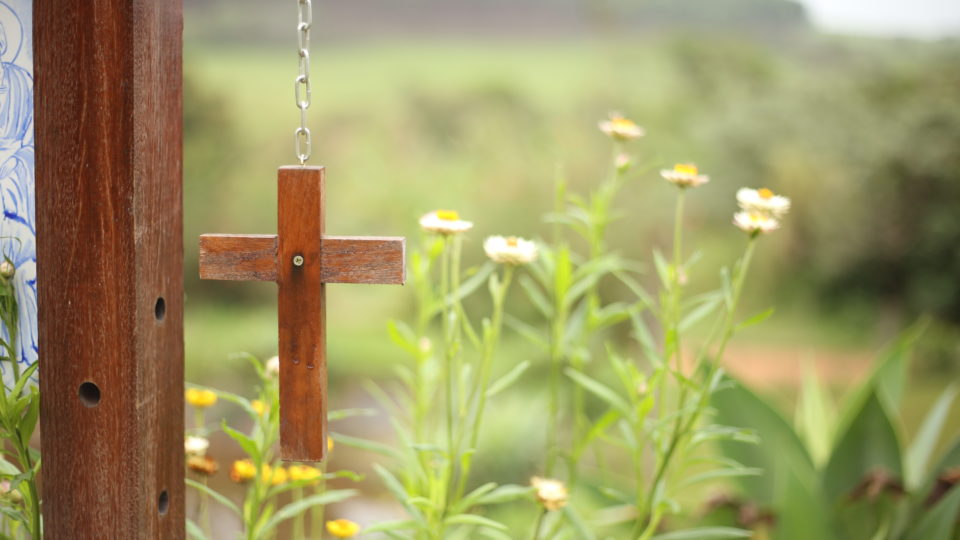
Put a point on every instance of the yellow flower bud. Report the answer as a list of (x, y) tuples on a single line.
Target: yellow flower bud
[(343, 528), (200, 399)]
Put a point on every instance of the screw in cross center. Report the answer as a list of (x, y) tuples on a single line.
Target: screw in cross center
[(298, 260)]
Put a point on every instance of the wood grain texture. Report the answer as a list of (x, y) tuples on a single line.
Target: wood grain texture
[(109, 244), (363, 259), (302, 295), (238, 257), (343, 259)]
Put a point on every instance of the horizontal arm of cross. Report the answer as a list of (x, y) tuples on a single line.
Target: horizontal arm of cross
[(343, 259)]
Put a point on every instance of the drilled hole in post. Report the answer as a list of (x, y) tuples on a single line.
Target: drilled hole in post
[(163, 504), (89, 394), (160, 309)]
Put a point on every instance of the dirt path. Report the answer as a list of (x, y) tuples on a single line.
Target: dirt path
[(762, 366)]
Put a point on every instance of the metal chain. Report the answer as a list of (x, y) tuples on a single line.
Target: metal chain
[(302, 140)]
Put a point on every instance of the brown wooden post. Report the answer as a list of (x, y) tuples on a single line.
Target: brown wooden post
[(110, 266)]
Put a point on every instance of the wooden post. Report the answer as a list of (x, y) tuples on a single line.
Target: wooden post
[(110, 266)]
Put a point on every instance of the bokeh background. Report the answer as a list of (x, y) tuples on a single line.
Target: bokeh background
[(850, 107)]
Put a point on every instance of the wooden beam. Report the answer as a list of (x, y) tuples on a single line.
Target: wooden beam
[(238, 257), (301, 299), (343, 259), (110, 266), (363, 259)]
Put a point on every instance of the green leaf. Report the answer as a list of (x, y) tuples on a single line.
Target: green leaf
[(7, 468), (385, 526), (727, 472), (246, 443), (365, 444), (600, 390), (755, 320), (342, 414), (222, 499), (503, 494), (918, 456), (297, 507), (583, 532), (471, 498), (29, 420), (536, 296), (596, 430), (503, 382), (24, 379), (403, 336), (815, 418), (396, 488), (473, 519), (474, 282), (532, 334), (869, 443), (195, 531), (940, 522), (663, 269), (705, 533), (702, 311), (562, 274), (789, 483)]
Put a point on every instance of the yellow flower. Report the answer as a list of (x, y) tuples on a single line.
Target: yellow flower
[(684, 175), (343, 528), (201, 399), (242, 470), (204, 465), (303, 472), (444, 222), (279, 476), (620, 128), (329, 444), (258, 407), (552, 494)]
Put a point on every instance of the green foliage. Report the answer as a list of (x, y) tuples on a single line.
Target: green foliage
[(19, 413), (871, 484), (268, 484)]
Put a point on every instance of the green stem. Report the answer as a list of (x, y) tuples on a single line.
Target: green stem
[(538, 525), (486, 368), (684, 428), (556, 367)]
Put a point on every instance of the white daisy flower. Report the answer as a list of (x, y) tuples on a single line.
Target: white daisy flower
[(763, 200), (621, 128), (196, 446), (552, 494), (510, 250), (445, 222), (755, 222), (272, 367), (684, 175)]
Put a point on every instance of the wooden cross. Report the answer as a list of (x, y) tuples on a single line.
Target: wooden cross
[(301, 259)]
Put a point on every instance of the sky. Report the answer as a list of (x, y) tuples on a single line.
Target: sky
[(915, 18)]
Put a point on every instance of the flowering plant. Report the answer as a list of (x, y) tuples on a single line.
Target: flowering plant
[(19, 412), (267, 480)]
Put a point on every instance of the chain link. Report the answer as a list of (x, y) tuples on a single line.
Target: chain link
[(303, 141)]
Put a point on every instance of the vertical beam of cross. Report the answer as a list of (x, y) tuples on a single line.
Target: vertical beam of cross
[(108, 123), (301, 314), (302, 260)]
